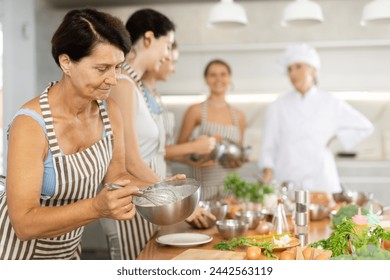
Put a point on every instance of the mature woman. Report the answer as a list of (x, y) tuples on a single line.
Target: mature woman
[(65, 143), (300, 125), (152, 34), (216, 118)]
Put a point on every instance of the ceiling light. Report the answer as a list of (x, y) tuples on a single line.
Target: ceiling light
[(376, 12), (302, 12), (227, 14)]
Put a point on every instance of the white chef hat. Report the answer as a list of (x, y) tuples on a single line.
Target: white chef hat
[(302, 53)]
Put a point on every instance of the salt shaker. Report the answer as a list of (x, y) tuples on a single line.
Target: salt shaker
[(301, 230)]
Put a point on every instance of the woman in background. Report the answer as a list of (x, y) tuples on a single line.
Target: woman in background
[(203, 144), (217, 118), (173, 152)]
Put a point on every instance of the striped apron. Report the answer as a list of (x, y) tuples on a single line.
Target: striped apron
[(134, 234), (212, 178), (77, 177)]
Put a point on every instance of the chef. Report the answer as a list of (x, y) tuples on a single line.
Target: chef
[(300, 125)]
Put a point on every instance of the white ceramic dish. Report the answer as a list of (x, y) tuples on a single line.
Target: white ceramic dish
[(183, 239)]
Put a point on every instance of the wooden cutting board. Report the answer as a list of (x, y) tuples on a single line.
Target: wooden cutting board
[(199, 254)]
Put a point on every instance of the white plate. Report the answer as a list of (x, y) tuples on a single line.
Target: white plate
[(184, 239)]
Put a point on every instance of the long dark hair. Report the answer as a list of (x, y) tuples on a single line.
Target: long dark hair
[(148, 20)]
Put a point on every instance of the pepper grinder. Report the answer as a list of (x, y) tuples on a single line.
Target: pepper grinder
[(301, 230)]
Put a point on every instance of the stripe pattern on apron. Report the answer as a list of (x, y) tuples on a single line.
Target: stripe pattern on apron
[(212, 178), (78, 177), (134, 234)]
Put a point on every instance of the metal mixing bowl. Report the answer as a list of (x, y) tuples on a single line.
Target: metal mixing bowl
[(187, 192), (232, 228), (318, 212), (251, 217), (352, 197), (217, 208)]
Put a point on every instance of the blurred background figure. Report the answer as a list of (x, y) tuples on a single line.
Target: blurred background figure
[(300, 125), (173, 152), (217, 118)]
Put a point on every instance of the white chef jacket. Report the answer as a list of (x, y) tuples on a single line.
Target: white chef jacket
[(296, 136)]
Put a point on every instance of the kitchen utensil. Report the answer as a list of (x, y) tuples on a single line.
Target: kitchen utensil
[(318, 212), (187, 192), (156, 195), (352, 197), (279, 220), (234, 153), (184, 239), (251, 217), (217, 208), (232, 228)]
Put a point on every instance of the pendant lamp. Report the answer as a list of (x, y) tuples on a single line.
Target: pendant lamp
[(301, 13), (376, 12), (227, 14)]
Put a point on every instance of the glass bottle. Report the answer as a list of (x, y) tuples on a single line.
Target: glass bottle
[(279, 220)]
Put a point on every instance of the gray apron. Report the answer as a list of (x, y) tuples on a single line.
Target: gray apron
[(212, 178), (77, 177)]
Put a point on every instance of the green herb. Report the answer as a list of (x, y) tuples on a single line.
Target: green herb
[(253, 192), (367, 252), (345, 234), (231, 244), (346, 213)]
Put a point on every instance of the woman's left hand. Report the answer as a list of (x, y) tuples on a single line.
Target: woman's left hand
[(175, 177), (200, 218)]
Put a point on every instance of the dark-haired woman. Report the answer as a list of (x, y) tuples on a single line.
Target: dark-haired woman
[(152, 34), (65, 143)]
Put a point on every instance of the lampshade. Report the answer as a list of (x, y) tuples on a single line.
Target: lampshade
[(302, 12), (376, 12), (227, 14)]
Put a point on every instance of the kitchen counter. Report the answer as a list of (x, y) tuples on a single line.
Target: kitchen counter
[(153, 251)]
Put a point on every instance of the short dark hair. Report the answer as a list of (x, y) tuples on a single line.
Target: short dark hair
[(81, 30), (145, 20), (216, 61)]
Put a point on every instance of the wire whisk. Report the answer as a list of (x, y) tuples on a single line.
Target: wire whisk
[(156, 195)]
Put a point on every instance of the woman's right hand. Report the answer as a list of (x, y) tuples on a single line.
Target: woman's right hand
[(117, 203), (204, 144)]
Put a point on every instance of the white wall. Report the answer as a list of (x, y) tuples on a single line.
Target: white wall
[(19, 73)]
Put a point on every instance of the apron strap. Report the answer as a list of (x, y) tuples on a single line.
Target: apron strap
[(47, 117)]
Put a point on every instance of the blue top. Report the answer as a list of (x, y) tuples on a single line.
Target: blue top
[(49, 176), (154, 106)]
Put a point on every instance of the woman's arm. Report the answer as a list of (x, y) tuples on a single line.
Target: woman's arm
[(27, 150), (124, 95), (191, 119), (201, 145)]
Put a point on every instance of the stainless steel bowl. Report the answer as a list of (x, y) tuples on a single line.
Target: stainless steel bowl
[(232, 228), (217, 208), (318, 212), (352, 197), (187, 192), (251, 217)]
